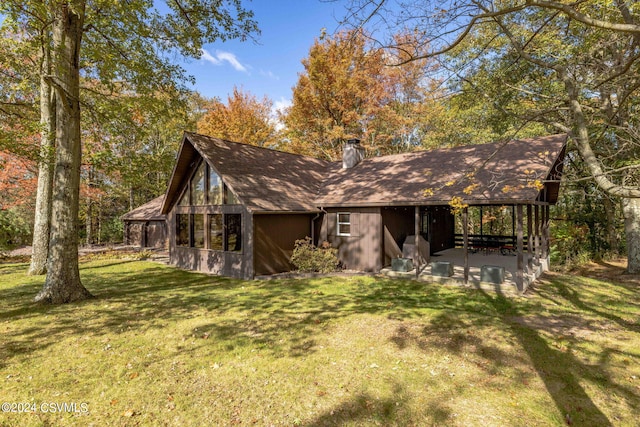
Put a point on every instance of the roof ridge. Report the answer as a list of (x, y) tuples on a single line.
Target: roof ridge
[(274, 150)]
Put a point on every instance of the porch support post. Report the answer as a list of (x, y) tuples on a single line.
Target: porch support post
[(537, 234), (465, 234), (545, 230), (416, 250), (529, 238), (543, 239), (519, 248)]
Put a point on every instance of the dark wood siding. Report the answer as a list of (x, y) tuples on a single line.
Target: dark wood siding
[(274, 239), (146, 234), (362, 250), (441, 228), (133, 233), (156, 234), (400, 223)]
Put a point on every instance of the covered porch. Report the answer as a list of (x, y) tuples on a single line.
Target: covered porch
[(502, 247), (533, 268)]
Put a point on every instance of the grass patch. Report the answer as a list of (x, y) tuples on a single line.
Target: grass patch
[(160, 346)]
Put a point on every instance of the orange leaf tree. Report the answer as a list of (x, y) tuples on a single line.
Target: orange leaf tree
[(244, 118)]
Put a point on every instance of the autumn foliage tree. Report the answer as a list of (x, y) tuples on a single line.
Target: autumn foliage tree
[(349, 90), (340, 92), (18, 189), (244, 118)]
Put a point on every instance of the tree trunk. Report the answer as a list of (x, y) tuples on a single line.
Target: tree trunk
[(610, 227), (89, 222), (42, 219), (631, 209), (63, 283)]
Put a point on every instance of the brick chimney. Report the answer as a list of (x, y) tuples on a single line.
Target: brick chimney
[(352, 153)]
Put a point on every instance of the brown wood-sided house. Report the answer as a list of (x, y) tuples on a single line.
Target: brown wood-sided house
[(146, 226), (236, 210)]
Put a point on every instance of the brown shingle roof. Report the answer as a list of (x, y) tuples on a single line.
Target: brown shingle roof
[(273, 181), (150, 211), (489, 173), (264, 180)]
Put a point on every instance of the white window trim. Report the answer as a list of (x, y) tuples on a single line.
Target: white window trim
[(338, 223)]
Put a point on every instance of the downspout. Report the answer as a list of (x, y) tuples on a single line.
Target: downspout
[(313, 220)]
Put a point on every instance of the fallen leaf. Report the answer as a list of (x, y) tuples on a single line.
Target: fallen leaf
[(129, 413)]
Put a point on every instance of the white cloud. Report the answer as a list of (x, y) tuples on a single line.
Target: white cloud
[(269, 74), (222, 56), (279, 106)]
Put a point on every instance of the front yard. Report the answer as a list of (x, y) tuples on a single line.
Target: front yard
[(160, 346)]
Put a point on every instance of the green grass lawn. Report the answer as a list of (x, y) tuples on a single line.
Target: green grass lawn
[(160, 346)]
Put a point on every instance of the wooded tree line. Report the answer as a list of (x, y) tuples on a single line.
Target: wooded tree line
[(445, 73)]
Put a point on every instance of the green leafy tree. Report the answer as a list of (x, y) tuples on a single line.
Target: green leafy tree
[(112, 42), (571, 67)]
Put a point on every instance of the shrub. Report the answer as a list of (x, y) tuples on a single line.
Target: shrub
[(309, 258)]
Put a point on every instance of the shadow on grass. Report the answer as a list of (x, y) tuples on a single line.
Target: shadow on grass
[(282, 317), (365, 409), (278, 316), (561, 371)]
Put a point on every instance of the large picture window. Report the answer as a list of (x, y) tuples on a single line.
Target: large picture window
[(182, 230), (196, 227), (198, 230), (207, 188), (216, 231), (233, 235), (344, 224)]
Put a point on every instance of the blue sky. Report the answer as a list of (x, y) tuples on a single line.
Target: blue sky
[(269, 66)]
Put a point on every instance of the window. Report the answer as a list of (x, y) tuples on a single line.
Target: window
[(344, 224), (216, 241), (215, 188), (229, 197), (184, 200), (215, 231), (197, 186), (198, 230), (225, 232), (182, 230), (233, 235)]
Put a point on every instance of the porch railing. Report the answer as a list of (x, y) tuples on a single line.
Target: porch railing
[(483, 242)]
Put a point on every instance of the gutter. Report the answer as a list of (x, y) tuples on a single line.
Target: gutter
[(313, 232)]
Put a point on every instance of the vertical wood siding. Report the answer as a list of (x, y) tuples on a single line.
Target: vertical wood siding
[(442, 228), (362, 250), (156, 234), (274, 237), (399, 221)]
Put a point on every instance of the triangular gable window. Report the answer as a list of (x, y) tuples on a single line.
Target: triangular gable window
[(184, 200), (215, 188), (207, 188), (197, 185)]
